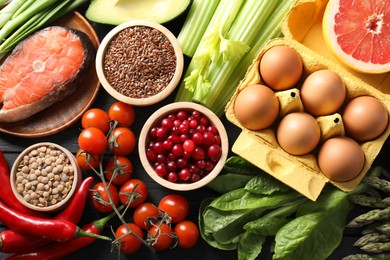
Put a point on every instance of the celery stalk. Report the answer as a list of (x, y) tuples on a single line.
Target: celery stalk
[(195, 25), (246, 28), (209, 49), (8, 11), (271, 30)]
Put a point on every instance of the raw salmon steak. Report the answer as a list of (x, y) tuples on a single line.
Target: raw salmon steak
[(43, 69)]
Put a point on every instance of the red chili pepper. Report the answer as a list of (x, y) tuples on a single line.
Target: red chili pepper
[(53, 229), (13, 242), (6, 194), (60, 250)]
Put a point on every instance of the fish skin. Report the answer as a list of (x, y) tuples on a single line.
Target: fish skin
[(46, 79)]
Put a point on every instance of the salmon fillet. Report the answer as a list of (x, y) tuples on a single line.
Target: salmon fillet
[(43, 69)]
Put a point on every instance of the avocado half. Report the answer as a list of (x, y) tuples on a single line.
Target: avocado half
[(115, 12)]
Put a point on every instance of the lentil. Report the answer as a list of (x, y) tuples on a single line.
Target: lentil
[(139, 62), (42, 174)]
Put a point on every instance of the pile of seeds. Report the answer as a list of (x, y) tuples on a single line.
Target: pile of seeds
[(45, 176), (139, 62)]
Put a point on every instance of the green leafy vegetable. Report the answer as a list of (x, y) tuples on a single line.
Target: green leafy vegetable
[(250, 246)]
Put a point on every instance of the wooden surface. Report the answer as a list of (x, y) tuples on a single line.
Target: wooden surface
[(12, 146)]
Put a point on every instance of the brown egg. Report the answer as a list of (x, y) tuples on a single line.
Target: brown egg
[(322, 93), (256, 107), (298, 133), (281, 67), (341, 158), (365, 118)]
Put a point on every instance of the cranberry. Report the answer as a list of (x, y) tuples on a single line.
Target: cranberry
[(189, 146), (161, 132), (185, 147), (181, 163), (185, 174), (167, 123), (214, 152), (198, 138), (161, 170), (172, 177), (182, 115), (158, 147), (167, 144), (199, 153), (178, 150)]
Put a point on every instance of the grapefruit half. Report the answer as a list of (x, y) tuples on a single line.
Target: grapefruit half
[(358, 33)]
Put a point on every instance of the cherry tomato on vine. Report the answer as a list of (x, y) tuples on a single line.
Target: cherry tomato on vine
[(96, 117), (87, 161), (129, 243), (187, 233), (92, 140), (161, 236), (144, 212), (133, 191), (176, 206), (118, 170), (100, 199), (122, 113), (122, 141)]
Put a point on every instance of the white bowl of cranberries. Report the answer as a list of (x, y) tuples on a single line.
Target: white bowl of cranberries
[(183, 146)]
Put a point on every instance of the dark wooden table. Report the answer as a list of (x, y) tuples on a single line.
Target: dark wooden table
[(12, 146)]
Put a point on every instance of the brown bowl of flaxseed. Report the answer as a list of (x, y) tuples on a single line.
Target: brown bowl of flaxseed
[(45, 176), (139, 62)]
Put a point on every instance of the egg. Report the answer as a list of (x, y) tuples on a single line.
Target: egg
[(281, 67), (323, 93), (365, 118), (340, 158), (256, 107), (298, 133)]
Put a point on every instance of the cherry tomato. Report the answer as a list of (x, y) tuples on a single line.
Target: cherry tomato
[(100, 199), (87, 161), (136, 188), (187, 233), (176, 206), (96, 117), (161, 236), (122, 113), (92, 140), (144, 212), (129, 243), (118, 170), (122, 141)]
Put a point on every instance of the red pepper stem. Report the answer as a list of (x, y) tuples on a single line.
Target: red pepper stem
[(82, 233)]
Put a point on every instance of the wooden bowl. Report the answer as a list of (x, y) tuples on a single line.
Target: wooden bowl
[(139, 101), (21, 163), (156, 118)]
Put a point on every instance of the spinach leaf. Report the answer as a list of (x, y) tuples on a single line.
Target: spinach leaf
[(240, 199), (226, 182), (317, 230), (265, 184), (237, 164), (250, 246), (216, 219), (207, 236)]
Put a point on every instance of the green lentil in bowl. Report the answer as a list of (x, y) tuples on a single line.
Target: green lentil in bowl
[(45, 176)]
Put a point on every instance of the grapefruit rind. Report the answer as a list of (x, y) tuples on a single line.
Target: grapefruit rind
[(330, 37)]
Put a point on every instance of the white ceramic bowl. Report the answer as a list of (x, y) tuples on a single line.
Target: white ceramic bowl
[(19, 162), (144, 101), (156, 118)]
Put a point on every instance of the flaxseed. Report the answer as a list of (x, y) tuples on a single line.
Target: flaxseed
[(139, 62)]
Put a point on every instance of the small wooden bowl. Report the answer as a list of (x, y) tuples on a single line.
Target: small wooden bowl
[(77, 177), (156, 118), (150, 100)]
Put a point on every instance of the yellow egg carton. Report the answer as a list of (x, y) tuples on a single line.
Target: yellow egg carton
[(302, 29)]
